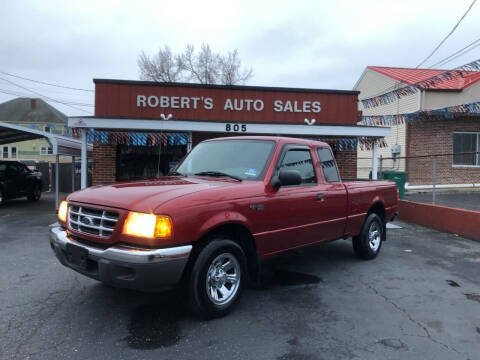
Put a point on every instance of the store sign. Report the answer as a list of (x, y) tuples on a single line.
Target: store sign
[(225, 104), (229, 104)]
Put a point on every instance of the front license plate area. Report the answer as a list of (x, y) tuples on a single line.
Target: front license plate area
[(77, 256)]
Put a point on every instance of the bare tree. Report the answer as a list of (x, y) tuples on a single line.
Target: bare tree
[(164, 66), (204, 67), (231, 70)]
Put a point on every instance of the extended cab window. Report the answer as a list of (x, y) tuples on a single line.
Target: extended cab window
[(328, 165), (300, 160)]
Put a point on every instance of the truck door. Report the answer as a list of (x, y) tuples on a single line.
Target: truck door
[(333, 197), (14, 179), (291, 213)]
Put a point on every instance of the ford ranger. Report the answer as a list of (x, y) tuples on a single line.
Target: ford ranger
[(229, 205)]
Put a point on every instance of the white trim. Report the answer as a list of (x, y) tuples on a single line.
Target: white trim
[(360, 79), (213, 126), (444, 186)]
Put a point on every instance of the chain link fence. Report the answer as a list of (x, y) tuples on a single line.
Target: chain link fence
[(431, 174)]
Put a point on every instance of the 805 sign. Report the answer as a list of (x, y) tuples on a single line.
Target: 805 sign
[(235, 128)]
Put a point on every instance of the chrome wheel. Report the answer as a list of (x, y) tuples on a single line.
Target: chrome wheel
[(223, 279), (374, 236)]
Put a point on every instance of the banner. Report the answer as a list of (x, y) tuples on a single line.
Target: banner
[(431, 82), (449, 112)]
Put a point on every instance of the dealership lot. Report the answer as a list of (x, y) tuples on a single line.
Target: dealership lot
[(419, 299)]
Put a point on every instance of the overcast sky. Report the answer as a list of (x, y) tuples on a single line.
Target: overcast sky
[(315, 44)]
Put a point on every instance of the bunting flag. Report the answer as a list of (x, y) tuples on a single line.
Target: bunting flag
[(449, 112), (134, 138), (396, 94), (351, 144), (367, 143)]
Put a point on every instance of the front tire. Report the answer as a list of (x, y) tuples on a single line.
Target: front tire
[(367, 245), (217, 278), (35, 194)]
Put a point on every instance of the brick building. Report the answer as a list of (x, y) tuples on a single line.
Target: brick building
[(143, 129), (427, 136)]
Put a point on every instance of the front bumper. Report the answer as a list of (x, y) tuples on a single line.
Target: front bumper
[(123, 266)]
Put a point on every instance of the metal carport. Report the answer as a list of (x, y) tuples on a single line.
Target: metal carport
[(61, 145)]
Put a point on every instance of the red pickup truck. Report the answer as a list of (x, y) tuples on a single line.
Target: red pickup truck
[(229, 205)]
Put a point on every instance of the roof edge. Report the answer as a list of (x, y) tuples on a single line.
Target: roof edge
[(224, 87)]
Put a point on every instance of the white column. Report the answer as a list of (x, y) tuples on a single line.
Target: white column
[(189, 142), (83, 175), (73, 173), (375, 161), (57, 160)]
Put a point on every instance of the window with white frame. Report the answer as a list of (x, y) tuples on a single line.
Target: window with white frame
[(466, 142), (13, 152), (46, 150), (5, 152)]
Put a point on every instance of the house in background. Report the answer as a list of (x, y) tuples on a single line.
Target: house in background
[(32, 113), (426, 136)]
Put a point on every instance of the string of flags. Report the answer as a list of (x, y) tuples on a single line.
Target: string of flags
[(449, 112), (396, 94), (134, 138), (351, 144)]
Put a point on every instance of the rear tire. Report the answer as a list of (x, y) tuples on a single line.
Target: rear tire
[(217, 278), (36, 193), (367, 245)]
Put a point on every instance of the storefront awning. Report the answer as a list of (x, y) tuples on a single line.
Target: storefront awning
[(227, 128)]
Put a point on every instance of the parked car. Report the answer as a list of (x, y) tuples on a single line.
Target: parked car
[(17, 180), (229, 205)]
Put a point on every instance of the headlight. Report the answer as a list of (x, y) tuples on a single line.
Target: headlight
[(62, 211), (147, 225)]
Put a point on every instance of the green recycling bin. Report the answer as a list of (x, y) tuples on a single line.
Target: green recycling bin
[(400, 177)]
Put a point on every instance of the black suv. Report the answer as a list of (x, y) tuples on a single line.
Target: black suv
[(17, 180)]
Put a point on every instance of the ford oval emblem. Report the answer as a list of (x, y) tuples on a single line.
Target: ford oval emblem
[(86, 220)]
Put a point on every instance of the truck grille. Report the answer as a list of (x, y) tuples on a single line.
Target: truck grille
[(92, 221)]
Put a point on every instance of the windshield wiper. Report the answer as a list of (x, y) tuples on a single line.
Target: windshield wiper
[(176, 173), (217, 174)]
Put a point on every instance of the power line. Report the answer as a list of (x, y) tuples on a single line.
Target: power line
[(460, 52), (15, 93), (46, 97), (443, 61), (448, 35), (45, 83)]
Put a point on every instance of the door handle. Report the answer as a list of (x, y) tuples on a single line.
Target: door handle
[(320, 196)]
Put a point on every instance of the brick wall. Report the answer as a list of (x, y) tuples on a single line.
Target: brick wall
[(347, 164), (104, 164), (435, 136)]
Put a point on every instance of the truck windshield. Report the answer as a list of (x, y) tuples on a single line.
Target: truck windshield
[(242, 159)]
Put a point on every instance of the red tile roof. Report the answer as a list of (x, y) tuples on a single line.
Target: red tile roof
[(411, 76)]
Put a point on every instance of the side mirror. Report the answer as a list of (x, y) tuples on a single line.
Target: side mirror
[(285, 178)]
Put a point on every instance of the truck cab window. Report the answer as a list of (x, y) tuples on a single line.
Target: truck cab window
[(328, 165), (300, 160)]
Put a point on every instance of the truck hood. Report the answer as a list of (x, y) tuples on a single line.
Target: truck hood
[(144, 196)]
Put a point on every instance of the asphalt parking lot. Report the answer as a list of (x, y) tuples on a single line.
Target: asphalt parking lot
[(420, 299)]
